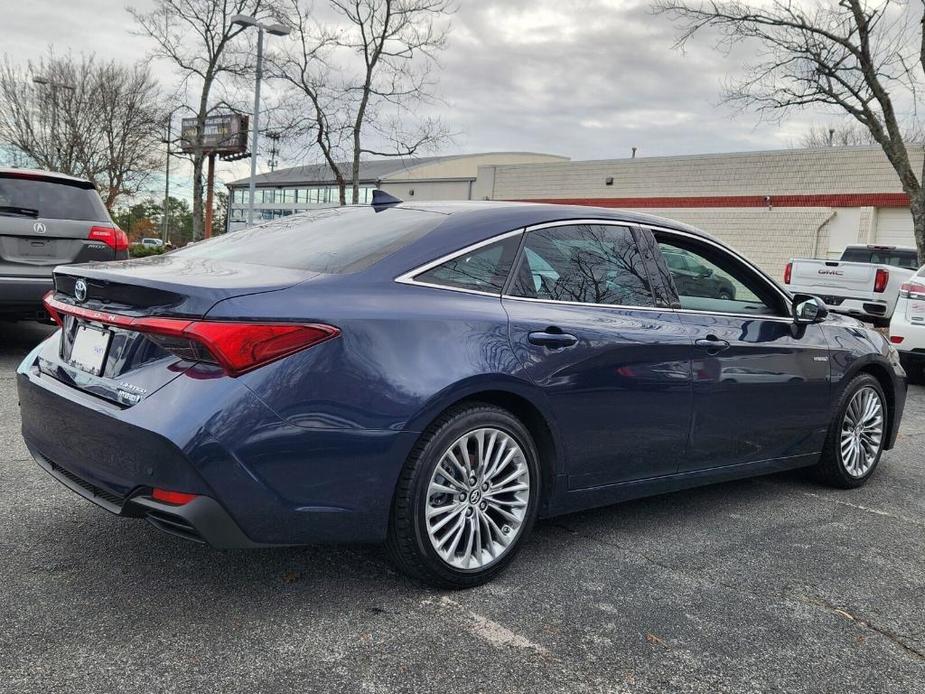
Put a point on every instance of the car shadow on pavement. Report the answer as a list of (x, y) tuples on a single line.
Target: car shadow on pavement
[(94, 552)]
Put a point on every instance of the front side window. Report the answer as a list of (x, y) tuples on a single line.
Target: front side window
[(584, 263), (708, 279), (484, 270)]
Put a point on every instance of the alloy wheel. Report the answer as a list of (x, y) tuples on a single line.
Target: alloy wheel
[(862, 432), (477, 498)]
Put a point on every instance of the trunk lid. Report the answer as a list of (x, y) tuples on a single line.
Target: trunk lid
[(97, 353)]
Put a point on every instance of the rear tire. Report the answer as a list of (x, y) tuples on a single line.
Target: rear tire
[(487, 520), (858, 431)]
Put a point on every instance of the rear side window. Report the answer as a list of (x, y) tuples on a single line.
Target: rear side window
[(586, 263), (53, 200), (484, 269), (904, 259), (332, 241)]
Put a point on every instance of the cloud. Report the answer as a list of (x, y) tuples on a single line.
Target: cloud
[(584, 78)]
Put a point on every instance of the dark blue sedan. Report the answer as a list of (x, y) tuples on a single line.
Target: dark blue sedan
[(437, 376)]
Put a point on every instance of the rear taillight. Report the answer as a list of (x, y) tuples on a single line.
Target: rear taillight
[(48, 302), (912, 290), (169, 497), (113, 237), (881, 279), (897, 339), (237, 347), (788, 273)]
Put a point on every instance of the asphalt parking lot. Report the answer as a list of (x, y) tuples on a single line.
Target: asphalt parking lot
[(767, 585)]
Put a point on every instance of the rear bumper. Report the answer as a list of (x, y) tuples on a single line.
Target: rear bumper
[(23, 295), (201, 520), (260, 481)]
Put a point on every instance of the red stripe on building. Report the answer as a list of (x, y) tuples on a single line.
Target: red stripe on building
[(823, 200)]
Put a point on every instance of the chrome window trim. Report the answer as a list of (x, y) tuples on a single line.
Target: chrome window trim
[(408, 277), (654, 309)]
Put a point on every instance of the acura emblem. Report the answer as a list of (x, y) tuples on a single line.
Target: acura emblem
[(38, 228), (80, 290)]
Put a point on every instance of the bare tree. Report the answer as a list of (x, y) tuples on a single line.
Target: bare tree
[(863, 58), (197, 37), (100, 121), (395, 42), (836, 136)]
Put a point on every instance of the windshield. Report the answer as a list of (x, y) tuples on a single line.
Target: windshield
[(52, 200), (331, 241)]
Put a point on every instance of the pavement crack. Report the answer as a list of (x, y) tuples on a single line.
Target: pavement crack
[(865, 622)]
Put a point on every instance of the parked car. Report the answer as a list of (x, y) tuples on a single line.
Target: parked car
[(437, 376), (152, 243), (907, 329), (864, 283), (48, 219)]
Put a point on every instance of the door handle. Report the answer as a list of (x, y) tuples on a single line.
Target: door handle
[(712, 344), (552, 339)]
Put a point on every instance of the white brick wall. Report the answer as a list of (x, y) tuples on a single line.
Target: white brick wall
[(768, 237), (796, 171)]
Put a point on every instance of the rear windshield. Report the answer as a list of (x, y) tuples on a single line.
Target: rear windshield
[(332, 241), (53, 200), (905, 259)]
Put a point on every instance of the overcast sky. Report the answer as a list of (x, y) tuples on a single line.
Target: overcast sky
[(588, 79)]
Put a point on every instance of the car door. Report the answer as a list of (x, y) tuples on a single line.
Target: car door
[(760, 381), (613, 359)]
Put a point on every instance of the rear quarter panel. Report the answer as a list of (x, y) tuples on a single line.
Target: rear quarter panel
[(404, 355)]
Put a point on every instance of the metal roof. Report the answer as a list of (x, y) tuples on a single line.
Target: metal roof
[(371, 171)]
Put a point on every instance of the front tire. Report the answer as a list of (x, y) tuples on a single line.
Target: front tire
[(856, 436), (467, 498)]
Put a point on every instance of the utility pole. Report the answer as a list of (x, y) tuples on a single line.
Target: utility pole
[(274, 149), (165, 231), (210, 194)]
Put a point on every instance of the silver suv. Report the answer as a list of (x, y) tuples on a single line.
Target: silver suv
[(48, 219)]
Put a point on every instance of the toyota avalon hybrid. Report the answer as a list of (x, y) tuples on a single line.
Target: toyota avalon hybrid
[(437, 376)]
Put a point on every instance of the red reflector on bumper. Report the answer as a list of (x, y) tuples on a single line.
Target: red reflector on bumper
[(896, 339), (169, 497)]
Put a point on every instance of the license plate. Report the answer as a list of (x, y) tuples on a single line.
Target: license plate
[(89, 350), (917, 308)]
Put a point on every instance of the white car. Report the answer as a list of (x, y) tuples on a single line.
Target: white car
[(907, 329)]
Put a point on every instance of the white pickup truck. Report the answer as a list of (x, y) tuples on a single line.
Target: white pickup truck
[(864, 283)]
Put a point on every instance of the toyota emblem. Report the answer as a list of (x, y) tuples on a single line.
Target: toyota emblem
[(80, 290), (39, 228)]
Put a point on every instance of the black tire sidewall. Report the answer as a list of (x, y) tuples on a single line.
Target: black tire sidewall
[(461, 424)]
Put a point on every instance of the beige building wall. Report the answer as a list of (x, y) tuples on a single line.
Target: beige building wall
[(779, 217), (783, 172)]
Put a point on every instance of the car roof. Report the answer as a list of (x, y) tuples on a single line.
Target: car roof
[(467, 223), (529, 213), (39, 173)]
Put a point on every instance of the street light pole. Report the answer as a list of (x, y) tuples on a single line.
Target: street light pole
[(277, 30), (54, 87), (255, 126)]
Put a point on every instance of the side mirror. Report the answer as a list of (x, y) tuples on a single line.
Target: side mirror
[(808, 309)]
